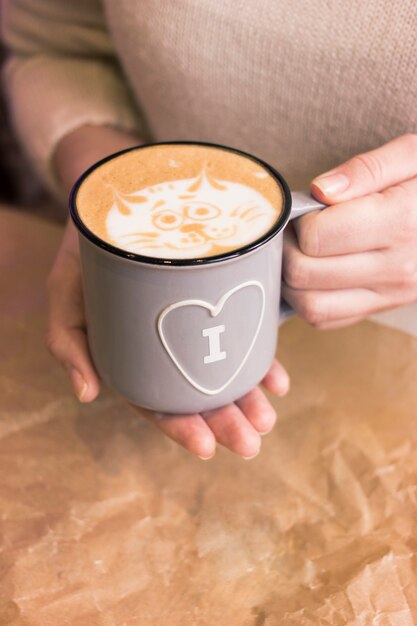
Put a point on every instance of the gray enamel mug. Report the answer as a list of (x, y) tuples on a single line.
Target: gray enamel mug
[(185, 335)]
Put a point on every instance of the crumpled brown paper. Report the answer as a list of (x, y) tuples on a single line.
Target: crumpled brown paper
[(105, 522)]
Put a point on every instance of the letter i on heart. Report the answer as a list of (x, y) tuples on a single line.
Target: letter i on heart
[(213, 334)]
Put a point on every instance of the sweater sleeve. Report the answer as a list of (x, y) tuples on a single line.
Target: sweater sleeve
[(61, 73)]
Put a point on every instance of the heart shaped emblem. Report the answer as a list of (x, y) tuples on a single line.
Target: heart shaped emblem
[(210, 343)]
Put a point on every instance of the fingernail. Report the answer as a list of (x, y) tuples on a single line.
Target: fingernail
[(331, 183), (266, 432), (248, 458), (79, 383), (207, 458)]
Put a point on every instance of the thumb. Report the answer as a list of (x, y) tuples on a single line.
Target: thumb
[(369, 172)]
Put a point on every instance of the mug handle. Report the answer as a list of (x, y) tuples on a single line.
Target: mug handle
[(302, 202)]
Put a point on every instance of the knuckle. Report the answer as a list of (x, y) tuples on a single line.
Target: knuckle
[(311, 308), (308, 235), (295, 272), (400, 296), (402, 209), (407, 273), (372, 164), (52, 342), (58, 344)]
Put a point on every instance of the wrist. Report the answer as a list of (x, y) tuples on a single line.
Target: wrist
[(86, 145)]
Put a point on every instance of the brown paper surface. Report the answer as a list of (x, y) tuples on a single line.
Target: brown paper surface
[(106, 522)]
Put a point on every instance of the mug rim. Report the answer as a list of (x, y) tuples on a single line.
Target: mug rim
[(196, 261)]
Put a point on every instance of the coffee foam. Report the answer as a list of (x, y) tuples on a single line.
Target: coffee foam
[(179, 201)]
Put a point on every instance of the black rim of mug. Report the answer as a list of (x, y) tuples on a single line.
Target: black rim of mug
[(194, 262)]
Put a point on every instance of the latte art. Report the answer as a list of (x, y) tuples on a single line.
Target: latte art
[(180, 201), (188, 218)]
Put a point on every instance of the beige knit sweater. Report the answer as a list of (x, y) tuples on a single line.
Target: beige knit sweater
[(303, 84)]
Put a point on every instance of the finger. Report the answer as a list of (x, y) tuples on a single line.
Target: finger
[(258, 410), (321, 307), (369, 172), (189, 431), (66, 338), (69, 346), (232, 429), (277, 380), (377, 221), (345, 271)]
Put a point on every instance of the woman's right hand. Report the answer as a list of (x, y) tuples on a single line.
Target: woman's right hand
[(238, 426)]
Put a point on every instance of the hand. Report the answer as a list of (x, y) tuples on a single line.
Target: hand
[(359, 256), (237, 426)]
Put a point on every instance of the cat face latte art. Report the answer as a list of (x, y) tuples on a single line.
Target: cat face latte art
[(179, 202)]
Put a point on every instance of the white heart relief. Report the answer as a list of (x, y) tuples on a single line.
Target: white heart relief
[(210, 343)]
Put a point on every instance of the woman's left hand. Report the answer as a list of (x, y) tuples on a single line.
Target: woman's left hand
[(359, 256)]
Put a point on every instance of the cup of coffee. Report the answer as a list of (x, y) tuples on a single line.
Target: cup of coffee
[(181, 250)]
